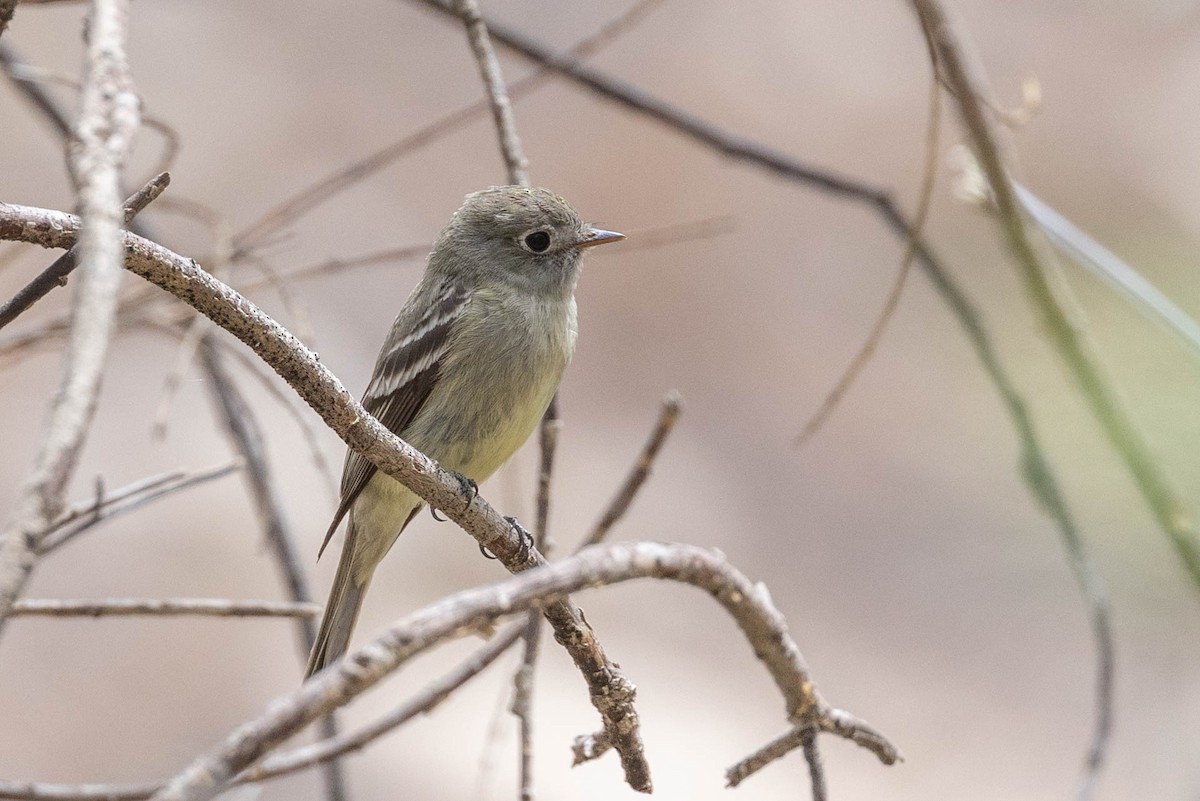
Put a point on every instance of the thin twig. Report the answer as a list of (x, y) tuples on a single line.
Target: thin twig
[(312, 196), (454, 616), (108, 120), (857, 364), (776, 749), (128, 607), (32, 91), (493, 82), (619, 505), (87, 515), (56, 274), (816, 770), (44, 791), (611, 693), (429, 698)]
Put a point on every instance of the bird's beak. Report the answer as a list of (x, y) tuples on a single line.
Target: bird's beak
[(596, 236)]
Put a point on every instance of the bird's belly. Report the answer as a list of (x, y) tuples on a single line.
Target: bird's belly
[(483, 419)]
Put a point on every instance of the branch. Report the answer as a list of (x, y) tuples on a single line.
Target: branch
[(56, 274), (426, 701), (88, 514), (127, 607), (472, 610), (611, 692), (329, 186), (621, 502), (108, 120), (489, 70)]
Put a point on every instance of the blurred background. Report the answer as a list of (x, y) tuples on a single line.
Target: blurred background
[(925, 587)]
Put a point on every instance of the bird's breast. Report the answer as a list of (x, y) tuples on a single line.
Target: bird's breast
[(504, 367)]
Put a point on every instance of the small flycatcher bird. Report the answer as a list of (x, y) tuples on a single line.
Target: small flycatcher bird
[(467, 371)]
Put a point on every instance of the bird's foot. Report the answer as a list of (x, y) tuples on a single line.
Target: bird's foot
[(468, 486), (526, 538)]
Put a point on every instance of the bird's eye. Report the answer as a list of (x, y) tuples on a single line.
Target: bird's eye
[(538, 241)]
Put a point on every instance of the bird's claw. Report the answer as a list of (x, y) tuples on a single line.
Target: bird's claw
[(526, 538), (469, 487)]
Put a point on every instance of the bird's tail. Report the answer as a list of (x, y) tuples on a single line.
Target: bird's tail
[(341, 613)]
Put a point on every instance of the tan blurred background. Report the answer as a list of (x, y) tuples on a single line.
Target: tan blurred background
[(921, 581)]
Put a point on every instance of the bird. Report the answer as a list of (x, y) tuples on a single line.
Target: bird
[(469, 367)]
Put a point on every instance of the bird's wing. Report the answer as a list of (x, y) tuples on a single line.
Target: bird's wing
[(405, 374)]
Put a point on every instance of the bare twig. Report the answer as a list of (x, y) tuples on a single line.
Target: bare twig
[(816, 770), (776, 749), (621, 502), (429, 697), (864, 354), (107, 123), (44, 791), (32, 91), (314, 195), (91, 513), (456, 615), (56, 274), (245, 437), (128, 607), (489, 70), (611, 692)]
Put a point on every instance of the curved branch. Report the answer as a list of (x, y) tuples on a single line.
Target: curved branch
[(472, 610)]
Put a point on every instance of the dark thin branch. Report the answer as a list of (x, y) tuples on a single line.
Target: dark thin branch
[(892, 302), (816, 770), (56, 274), (489, 70)]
